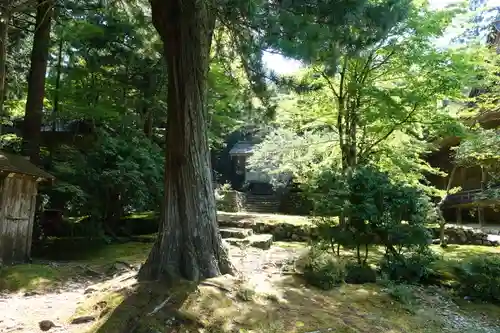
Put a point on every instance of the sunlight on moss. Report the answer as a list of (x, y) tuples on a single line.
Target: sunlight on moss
[(132, 253), (31, 277), (290, 245), (211, 309), (458, 252), (265, 218), (142, 215)]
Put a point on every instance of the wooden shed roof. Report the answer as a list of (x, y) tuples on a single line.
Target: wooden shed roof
[(18, 164)]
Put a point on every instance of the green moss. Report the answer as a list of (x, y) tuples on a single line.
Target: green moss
[(459, 252), (142, 216), (133, 253), (270, 219), (33, 277), (291, 245), (39, 277), (296, 308)]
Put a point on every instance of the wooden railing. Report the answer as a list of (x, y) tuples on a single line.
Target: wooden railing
[(465, 197), (461, 198)]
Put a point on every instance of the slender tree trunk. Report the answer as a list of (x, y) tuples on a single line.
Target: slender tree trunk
[(148, 122), (439, 208), (36, 81), (55, 111), (480, 210), (4, 35), (189, 244)]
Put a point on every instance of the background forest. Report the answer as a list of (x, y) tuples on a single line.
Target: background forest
[(85, 88), (137, 108)]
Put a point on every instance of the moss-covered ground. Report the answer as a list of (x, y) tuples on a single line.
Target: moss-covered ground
[(270, 304)]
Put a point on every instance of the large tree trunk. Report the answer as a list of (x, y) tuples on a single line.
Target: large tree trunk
[(36, 81), (189, 244), (4, 34)]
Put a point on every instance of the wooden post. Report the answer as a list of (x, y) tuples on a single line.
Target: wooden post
[(480, 215), (480, 211), (459, 215), (463, 177)]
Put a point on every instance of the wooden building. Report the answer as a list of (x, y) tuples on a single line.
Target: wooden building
[(19, 180), (257, 180), (464, 206), (468, 204)]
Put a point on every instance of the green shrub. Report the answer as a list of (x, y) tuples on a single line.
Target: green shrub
[(376, 210), (224, 198), (119, 172), (402, 293), (410, 268), (322, 270), (479, 278), (359, 274)]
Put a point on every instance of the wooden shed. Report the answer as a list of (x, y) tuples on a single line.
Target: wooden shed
[(19, 180)]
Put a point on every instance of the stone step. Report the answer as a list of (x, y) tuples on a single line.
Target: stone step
[(239, 233), (261, 241)]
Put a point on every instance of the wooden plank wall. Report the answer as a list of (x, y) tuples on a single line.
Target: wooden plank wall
[(17, 197)]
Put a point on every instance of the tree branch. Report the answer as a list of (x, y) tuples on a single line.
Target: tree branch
[(405, 120), (329, 82)]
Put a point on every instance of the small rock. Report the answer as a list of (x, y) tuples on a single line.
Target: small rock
[(104, 312), (91, 273), (89, 290), (31, 293), (46, 325), (82, 320)]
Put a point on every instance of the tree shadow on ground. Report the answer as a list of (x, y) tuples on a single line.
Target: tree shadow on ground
[(226, 305)]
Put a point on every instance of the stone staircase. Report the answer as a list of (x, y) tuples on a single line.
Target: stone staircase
[(246, 237)]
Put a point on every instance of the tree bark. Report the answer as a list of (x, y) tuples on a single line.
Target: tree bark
[(4, 35), (189, 244), (36, 81)]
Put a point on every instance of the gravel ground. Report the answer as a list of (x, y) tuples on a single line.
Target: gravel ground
[(22, 312)]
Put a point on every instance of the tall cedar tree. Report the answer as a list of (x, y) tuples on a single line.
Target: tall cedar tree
[(36, 81), (189, 243)]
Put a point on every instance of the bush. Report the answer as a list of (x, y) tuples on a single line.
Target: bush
[(409, 268), (376, 210), (359, 274), (117, 173), (322, 270), (224, 199), (402, 293), (479, 277)]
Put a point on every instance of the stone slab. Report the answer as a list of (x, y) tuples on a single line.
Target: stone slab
[(262, 241), (235, 233)]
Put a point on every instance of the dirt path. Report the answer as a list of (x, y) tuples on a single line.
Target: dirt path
[(22, 312)]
